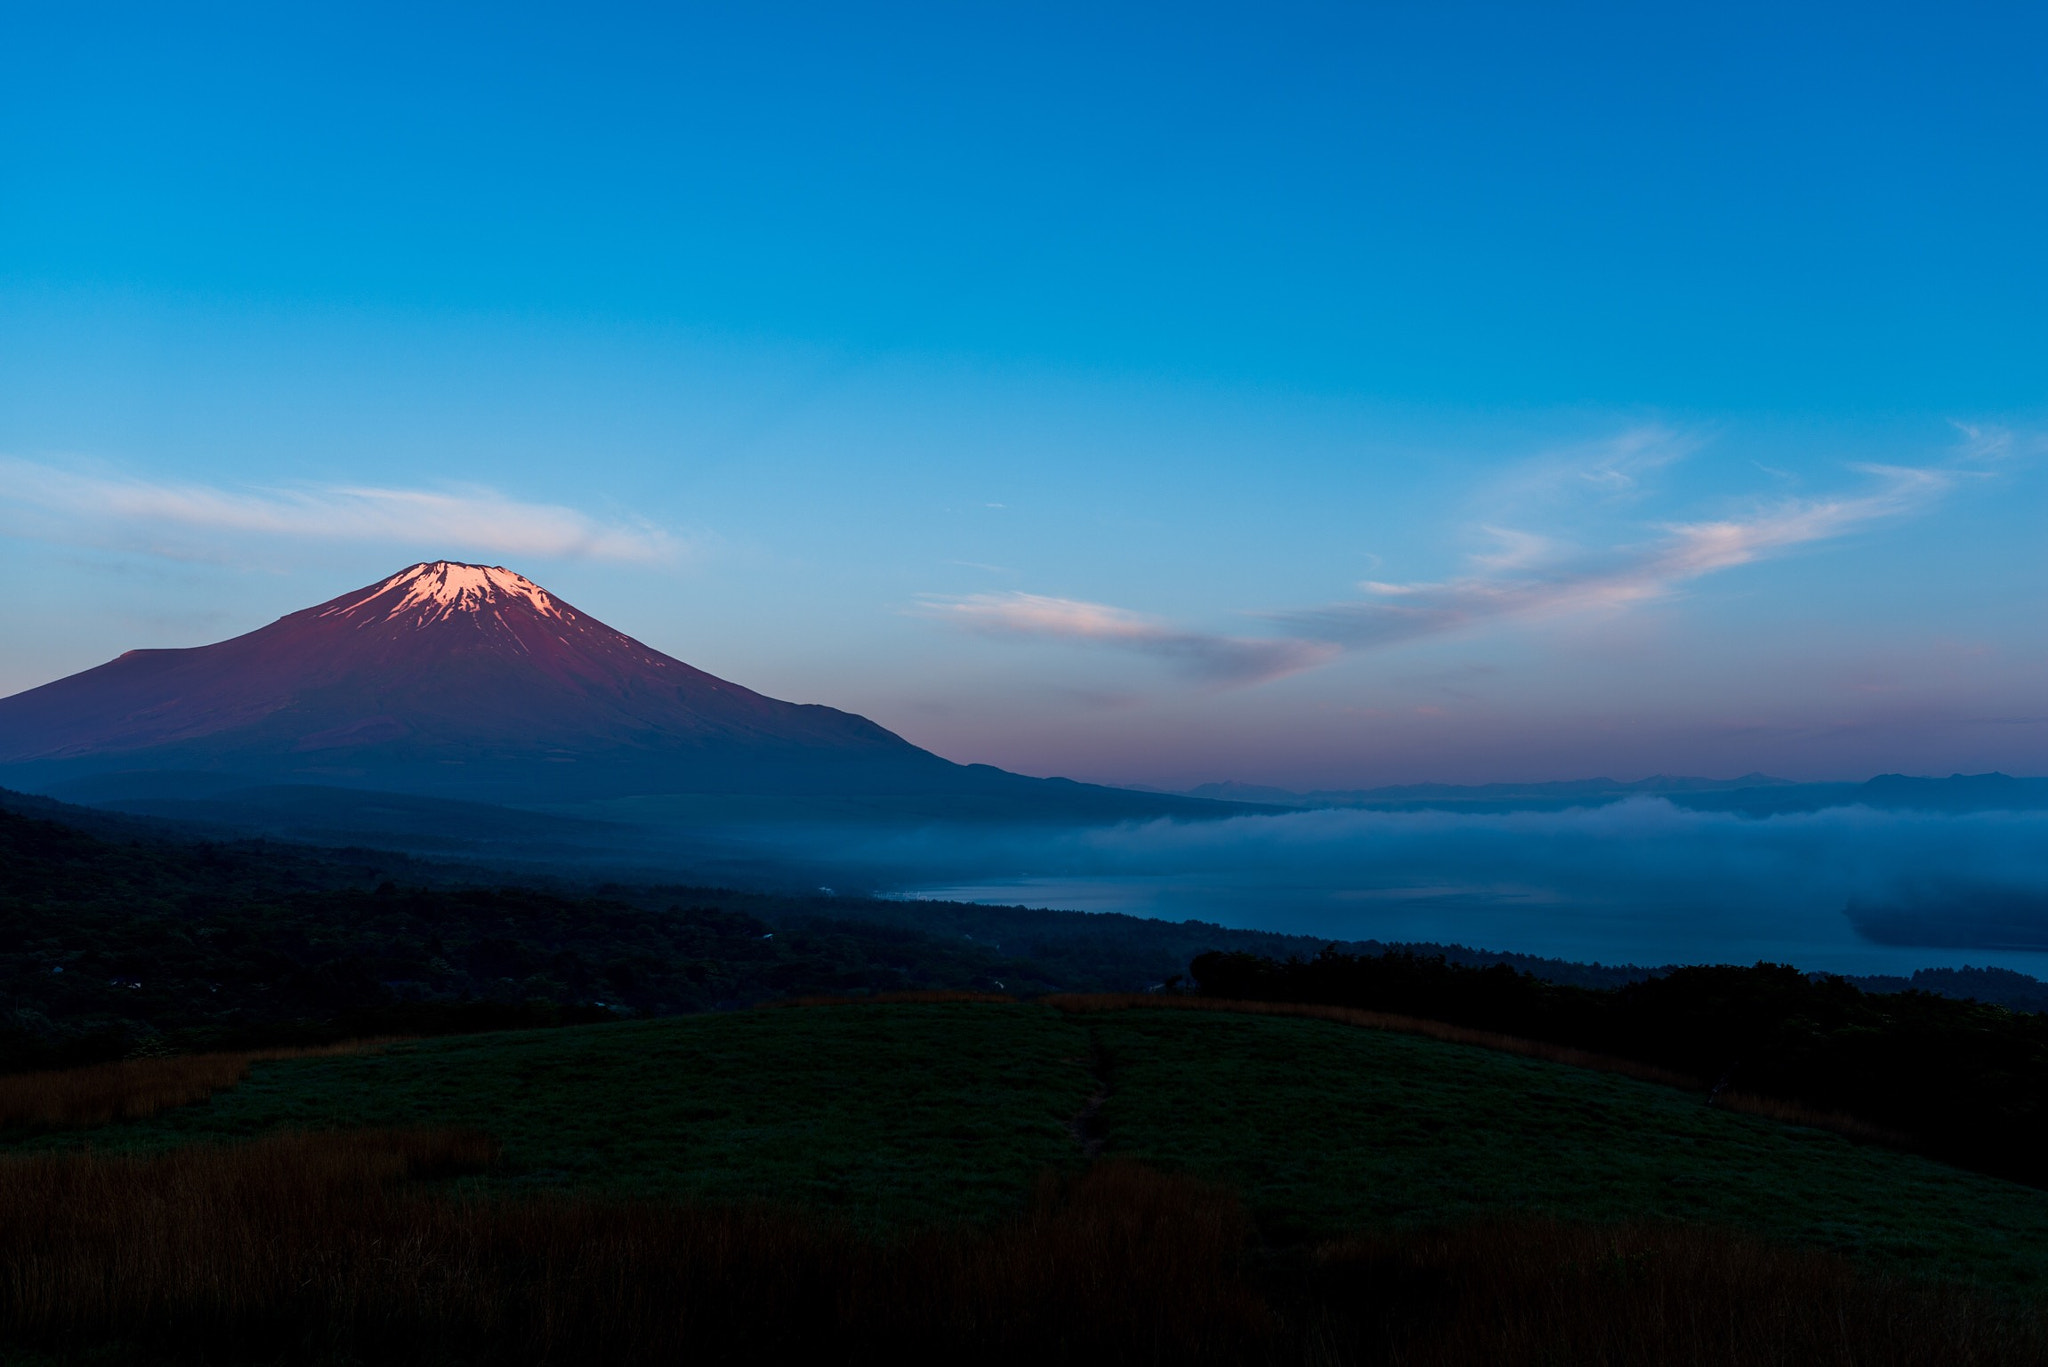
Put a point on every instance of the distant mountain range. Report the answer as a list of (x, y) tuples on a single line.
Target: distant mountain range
[(1751, 794), (472, 682), (1575, 787), (413, 713)]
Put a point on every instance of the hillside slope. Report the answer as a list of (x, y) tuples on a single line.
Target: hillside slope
[(114, 936), (900, 1115)]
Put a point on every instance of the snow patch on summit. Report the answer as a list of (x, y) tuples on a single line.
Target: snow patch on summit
[(438, 590)]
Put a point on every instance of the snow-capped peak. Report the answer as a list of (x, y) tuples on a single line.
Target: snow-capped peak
[(436, 590)]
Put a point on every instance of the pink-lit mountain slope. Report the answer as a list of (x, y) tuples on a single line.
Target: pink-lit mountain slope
[(458, 680)]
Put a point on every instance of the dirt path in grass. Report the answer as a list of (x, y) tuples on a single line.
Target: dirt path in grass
[(1088, 1127)]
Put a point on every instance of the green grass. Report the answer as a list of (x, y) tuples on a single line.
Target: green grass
[(909, 1114), (891, 1114), (1327, 1128)]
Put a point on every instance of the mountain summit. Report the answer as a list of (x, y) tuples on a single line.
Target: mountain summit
[(464, 681), (435, 592)]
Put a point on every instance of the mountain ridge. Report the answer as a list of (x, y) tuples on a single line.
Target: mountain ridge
[(1753, 794), (474, 682)]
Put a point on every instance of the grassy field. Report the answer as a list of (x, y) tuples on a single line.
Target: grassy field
[(1326, 1129), (891, 1114), (918, 1114)]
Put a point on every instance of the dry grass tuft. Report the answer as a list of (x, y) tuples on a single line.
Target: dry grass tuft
[(1378, 1020), (1794, 1113), (314, 1247), (135, 1088), (1534, 1293), (1771, 1108), (311, 1246), (893, 998)]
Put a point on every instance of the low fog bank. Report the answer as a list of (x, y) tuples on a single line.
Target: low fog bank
[(1849, 889), (1648, 879)]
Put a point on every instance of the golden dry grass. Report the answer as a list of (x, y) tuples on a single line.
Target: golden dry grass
[(1530, 1293), (1794, 1113), (306, 1246), (1748, 1103), (1771, 1108), (1377, 1020), (324, 1247), (135, 1088), (925, 997)]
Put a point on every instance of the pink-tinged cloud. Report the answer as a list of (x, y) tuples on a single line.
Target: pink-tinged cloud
[(1230, 661), (96, 507), (1518, 586)]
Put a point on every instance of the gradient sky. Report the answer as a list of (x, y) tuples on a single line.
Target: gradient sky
[(1315, 396)]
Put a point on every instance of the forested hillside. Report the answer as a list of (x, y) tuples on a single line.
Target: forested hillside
[(126, 939)]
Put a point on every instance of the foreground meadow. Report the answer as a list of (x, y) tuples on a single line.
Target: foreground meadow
[(919, 1180)]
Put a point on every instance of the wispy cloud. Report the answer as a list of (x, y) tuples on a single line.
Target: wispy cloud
[(1613, 469), (72, 505), (1526, 576), (1214, 659), (1991, 445), (1529, 579)]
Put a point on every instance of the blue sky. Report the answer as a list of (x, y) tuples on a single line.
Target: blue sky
[(1303, 395)]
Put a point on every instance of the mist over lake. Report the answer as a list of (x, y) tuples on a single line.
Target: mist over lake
[(1641, 881)]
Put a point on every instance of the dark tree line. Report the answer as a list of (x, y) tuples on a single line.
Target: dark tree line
[(1966, 1081)]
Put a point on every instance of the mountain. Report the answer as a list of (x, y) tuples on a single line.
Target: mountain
[(1750, 795), (471, 681), (1564, 792)]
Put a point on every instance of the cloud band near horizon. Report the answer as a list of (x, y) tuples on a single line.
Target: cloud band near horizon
[(1226, 661), (1528, 586), (1526, 582)]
